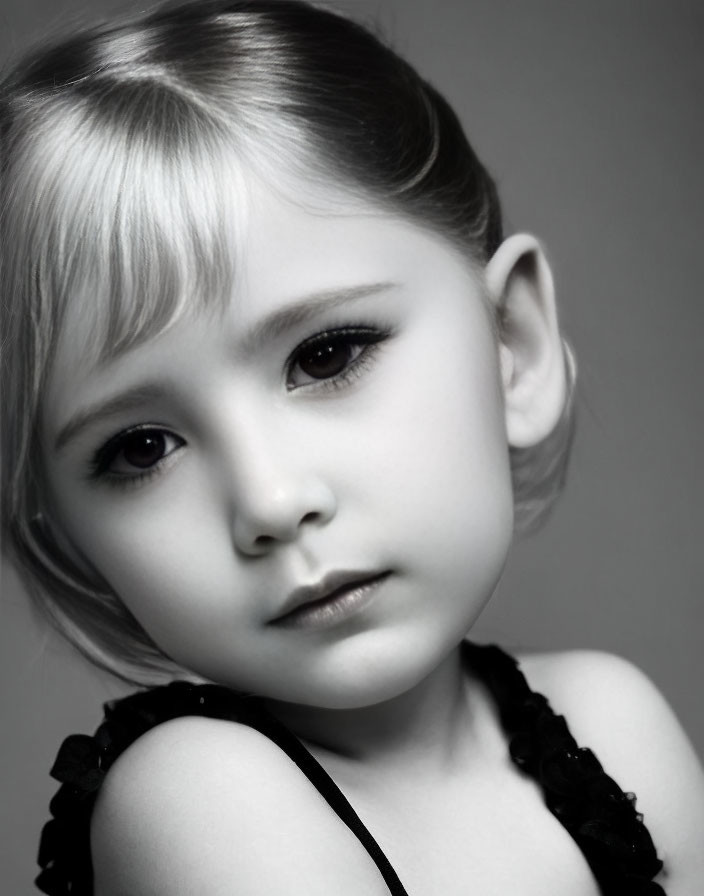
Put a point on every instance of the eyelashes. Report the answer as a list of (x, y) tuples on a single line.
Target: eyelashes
[(329, 360), (333, 358), (134, 455)]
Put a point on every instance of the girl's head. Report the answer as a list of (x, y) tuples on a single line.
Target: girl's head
[(217, 162)]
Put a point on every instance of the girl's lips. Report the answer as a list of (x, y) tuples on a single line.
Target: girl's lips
[(337, 597)]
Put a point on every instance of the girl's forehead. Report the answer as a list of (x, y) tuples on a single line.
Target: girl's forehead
[(273, 237), (296, 251), (165, 245)]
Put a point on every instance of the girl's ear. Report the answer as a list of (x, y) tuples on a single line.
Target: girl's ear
[(531, 350)]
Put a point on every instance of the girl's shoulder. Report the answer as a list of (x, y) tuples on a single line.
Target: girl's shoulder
[(612, 707), (184, 779), (200, 800), (177, 787)]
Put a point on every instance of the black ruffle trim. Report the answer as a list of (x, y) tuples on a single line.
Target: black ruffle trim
[(600, 817)]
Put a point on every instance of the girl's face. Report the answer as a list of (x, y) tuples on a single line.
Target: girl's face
[(340, 426)]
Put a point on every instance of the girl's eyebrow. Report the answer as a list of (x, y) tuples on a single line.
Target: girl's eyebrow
[(299, 312), (271, 326), (128, 400)]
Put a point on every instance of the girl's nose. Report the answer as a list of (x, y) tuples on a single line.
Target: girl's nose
[(281, 513), (277, 500)]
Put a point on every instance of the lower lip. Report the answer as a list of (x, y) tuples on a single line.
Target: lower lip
[(335, 610)]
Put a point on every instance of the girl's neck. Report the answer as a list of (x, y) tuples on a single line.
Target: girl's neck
[(428, 725)]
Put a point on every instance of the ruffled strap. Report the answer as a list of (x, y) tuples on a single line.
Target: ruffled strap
[(600, 817), (83, 762)]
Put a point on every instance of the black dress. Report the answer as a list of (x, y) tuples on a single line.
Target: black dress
[(600, 817)]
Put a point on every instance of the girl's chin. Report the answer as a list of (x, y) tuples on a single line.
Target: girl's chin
[(373, 667), (357, 692)]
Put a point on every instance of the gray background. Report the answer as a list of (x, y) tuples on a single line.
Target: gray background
[(590, 117)]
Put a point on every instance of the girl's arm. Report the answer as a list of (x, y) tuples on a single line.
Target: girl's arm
[(615, 710)]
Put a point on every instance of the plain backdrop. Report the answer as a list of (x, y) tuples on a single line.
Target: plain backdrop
[(590, 117)]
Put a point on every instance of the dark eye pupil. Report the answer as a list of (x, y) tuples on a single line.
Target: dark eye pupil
[(325, 359), (144, 449)]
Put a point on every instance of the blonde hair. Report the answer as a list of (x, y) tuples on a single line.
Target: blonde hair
[(122, 156)]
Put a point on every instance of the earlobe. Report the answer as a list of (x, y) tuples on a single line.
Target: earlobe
[(532, 355)]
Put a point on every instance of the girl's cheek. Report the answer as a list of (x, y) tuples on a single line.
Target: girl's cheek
[(118, 532)]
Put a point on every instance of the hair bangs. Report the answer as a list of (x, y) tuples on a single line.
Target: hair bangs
[(146, 218)]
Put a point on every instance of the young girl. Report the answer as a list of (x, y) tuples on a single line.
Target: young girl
[(281, 392)]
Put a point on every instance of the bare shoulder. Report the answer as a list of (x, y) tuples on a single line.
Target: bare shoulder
[(614, 709), (205, 806), (169, 785)]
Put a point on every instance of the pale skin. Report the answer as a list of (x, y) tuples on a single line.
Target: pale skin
[(270, 479)]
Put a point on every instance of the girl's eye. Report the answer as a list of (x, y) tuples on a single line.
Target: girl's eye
[(326, 359), (333, 355), (135, 453)]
